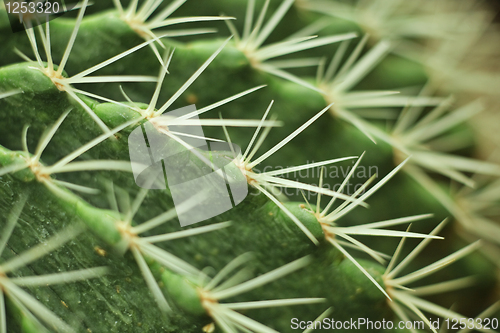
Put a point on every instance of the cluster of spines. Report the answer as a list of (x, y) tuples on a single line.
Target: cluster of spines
[(359, 71)]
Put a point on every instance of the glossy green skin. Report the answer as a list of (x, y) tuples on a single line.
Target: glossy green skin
[(303, 213), (121, 302), (184, 291)]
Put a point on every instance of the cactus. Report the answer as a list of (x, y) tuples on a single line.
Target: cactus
[(340, 160)]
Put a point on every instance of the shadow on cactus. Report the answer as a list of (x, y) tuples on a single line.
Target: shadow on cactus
[(78, 255)]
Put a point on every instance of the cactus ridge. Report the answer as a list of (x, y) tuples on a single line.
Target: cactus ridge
[(77, 254)]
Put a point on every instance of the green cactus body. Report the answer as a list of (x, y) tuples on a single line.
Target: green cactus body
[(347, 133)]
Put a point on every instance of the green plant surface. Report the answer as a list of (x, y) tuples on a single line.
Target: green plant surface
[(365, 195)]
